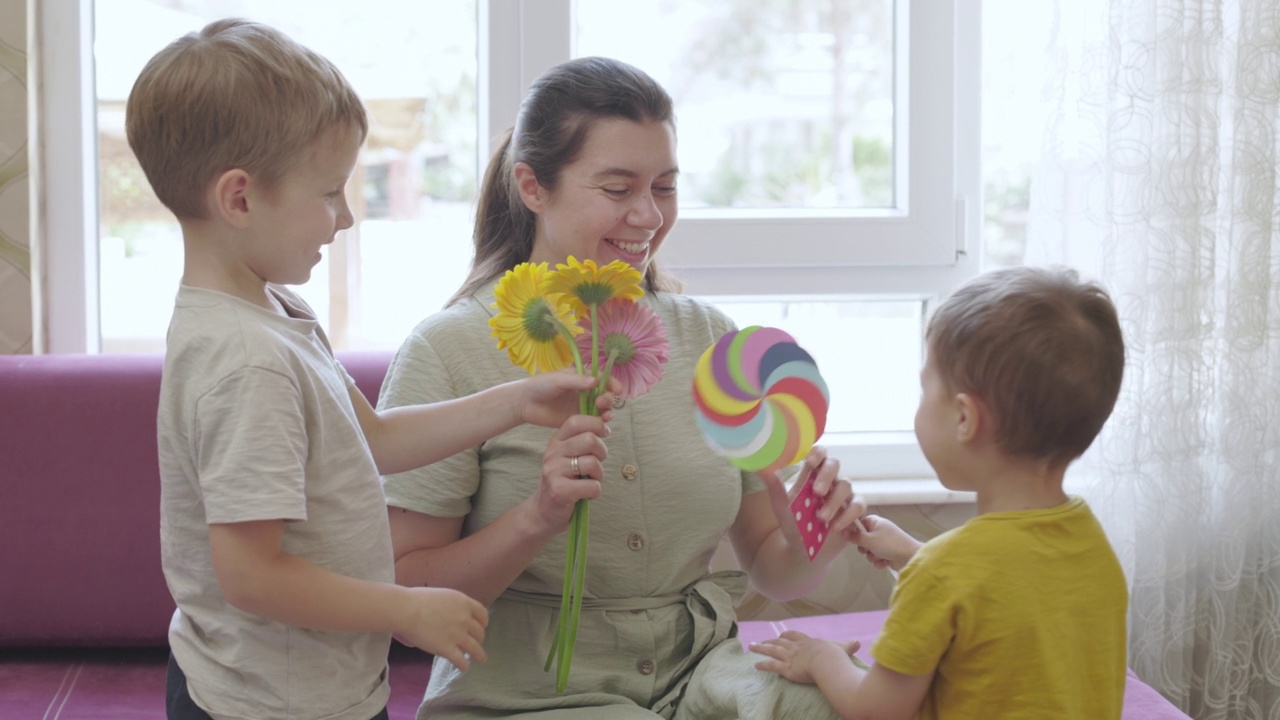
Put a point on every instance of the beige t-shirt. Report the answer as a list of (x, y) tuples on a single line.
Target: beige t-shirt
[(255, 423)]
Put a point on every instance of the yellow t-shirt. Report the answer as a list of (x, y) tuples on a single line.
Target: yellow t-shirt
[(1021, 613)]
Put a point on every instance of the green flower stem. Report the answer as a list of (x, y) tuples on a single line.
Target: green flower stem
[(569, 556), (582, 510), (583, 405), (608, 371), (575, 564), (595, 342)]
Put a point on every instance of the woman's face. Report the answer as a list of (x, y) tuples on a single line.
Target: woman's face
[(616, 201)]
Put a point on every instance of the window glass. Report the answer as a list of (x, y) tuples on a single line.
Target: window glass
[(869, 354), (414, 65), (779, 104), (1016, 39)]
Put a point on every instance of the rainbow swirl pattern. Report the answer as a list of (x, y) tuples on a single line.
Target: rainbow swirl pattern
[(759, 399)]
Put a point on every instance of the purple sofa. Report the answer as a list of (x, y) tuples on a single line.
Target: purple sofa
[(80, 498), (80, 546)]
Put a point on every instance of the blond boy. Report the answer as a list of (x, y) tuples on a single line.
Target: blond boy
[(275, 541), (1020, 612)]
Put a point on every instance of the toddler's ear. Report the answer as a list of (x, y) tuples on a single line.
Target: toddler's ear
[(970, 417)]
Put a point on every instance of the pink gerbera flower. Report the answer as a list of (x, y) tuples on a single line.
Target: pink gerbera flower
[(633, 345)]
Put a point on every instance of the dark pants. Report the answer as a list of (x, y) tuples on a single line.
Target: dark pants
[(180, 706)]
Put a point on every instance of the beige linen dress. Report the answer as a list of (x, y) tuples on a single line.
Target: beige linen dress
[(657, 634)]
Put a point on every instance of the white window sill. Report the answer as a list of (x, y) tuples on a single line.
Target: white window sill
[(908, 491)]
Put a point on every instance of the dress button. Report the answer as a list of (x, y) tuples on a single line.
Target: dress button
[(634, 541), (618, 403), (645, 666), (630, 472)]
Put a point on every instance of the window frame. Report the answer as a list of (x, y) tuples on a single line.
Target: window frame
[(920, 250)]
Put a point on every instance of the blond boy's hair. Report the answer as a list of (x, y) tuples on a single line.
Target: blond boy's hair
[(236, 94), (1041, 349)]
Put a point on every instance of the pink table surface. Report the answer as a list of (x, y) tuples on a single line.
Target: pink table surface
[(1141, 701)]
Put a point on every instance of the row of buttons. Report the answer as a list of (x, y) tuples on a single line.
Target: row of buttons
[(635, 541)]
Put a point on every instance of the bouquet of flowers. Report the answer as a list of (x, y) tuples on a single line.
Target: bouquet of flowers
[(589, 316)]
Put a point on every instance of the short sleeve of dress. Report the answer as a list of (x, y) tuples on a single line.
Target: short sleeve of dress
[(421, 373)]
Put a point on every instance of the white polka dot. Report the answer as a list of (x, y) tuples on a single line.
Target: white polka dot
[(811, 552), (819, 537), (809, 527), (797, 516), (808, 502)]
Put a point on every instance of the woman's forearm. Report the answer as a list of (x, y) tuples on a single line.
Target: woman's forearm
[(482, 565), (782, 571)]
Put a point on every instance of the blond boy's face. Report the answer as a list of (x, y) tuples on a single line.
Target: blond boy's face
[(304, 212)]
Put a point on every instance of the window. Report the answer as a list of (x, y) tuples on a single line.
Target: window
[(829, 153), (411, 192)]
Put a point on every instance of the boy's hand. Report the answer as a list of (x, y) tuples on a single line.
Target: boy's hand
[(549, 399), (884, 543), (793, 655), (447, 623)]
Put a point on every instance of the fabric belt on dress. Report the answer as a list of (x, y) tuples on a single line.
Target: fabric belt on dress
[(716, 586), (711, 602)]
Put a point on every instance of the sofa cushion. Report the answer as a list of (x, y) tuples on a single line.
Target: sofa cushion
[(80, 497)]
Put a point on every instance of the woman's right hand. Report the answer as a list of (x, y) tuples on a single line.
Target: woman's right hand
[(581, 437)]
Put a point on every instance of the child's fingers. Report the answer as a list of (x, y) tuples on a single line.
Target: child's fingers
[(770, 648), (475, 650), (479, 614), (774, 666), (456, 656)]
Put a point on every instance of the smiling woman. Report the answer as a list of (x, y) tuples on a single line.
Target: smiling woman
[(588, 171)]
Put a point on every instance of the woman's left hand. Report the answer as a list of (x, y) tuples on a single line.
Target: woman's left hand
[(840, 507)]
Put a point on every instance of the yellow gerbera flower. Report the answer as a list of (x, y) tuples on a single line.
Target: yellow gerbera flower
[(586, 285), (533, 326)]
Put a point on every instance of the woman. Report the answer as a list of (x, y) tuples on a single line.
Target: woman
[(589, 170)]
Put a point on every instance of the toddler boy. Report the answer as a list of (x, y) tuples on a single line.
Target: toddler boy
[(1020, 612)]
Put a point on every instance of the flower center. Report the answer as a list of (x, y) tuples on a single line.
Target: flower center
[(621, 346), (593, 293), (540, 321)]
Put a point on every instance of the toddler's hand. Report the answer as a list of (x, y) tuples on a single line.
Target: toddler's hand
[(884, 543), (447, 623), (793, 655)]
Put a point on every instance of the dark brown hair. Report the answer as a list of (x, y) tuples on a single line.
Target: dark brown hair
[(562, 106), (1043, 351), (236, 94)]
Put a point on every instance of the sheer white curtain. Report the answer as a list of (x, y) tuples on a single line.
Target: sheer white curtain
[(1160, 178)]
